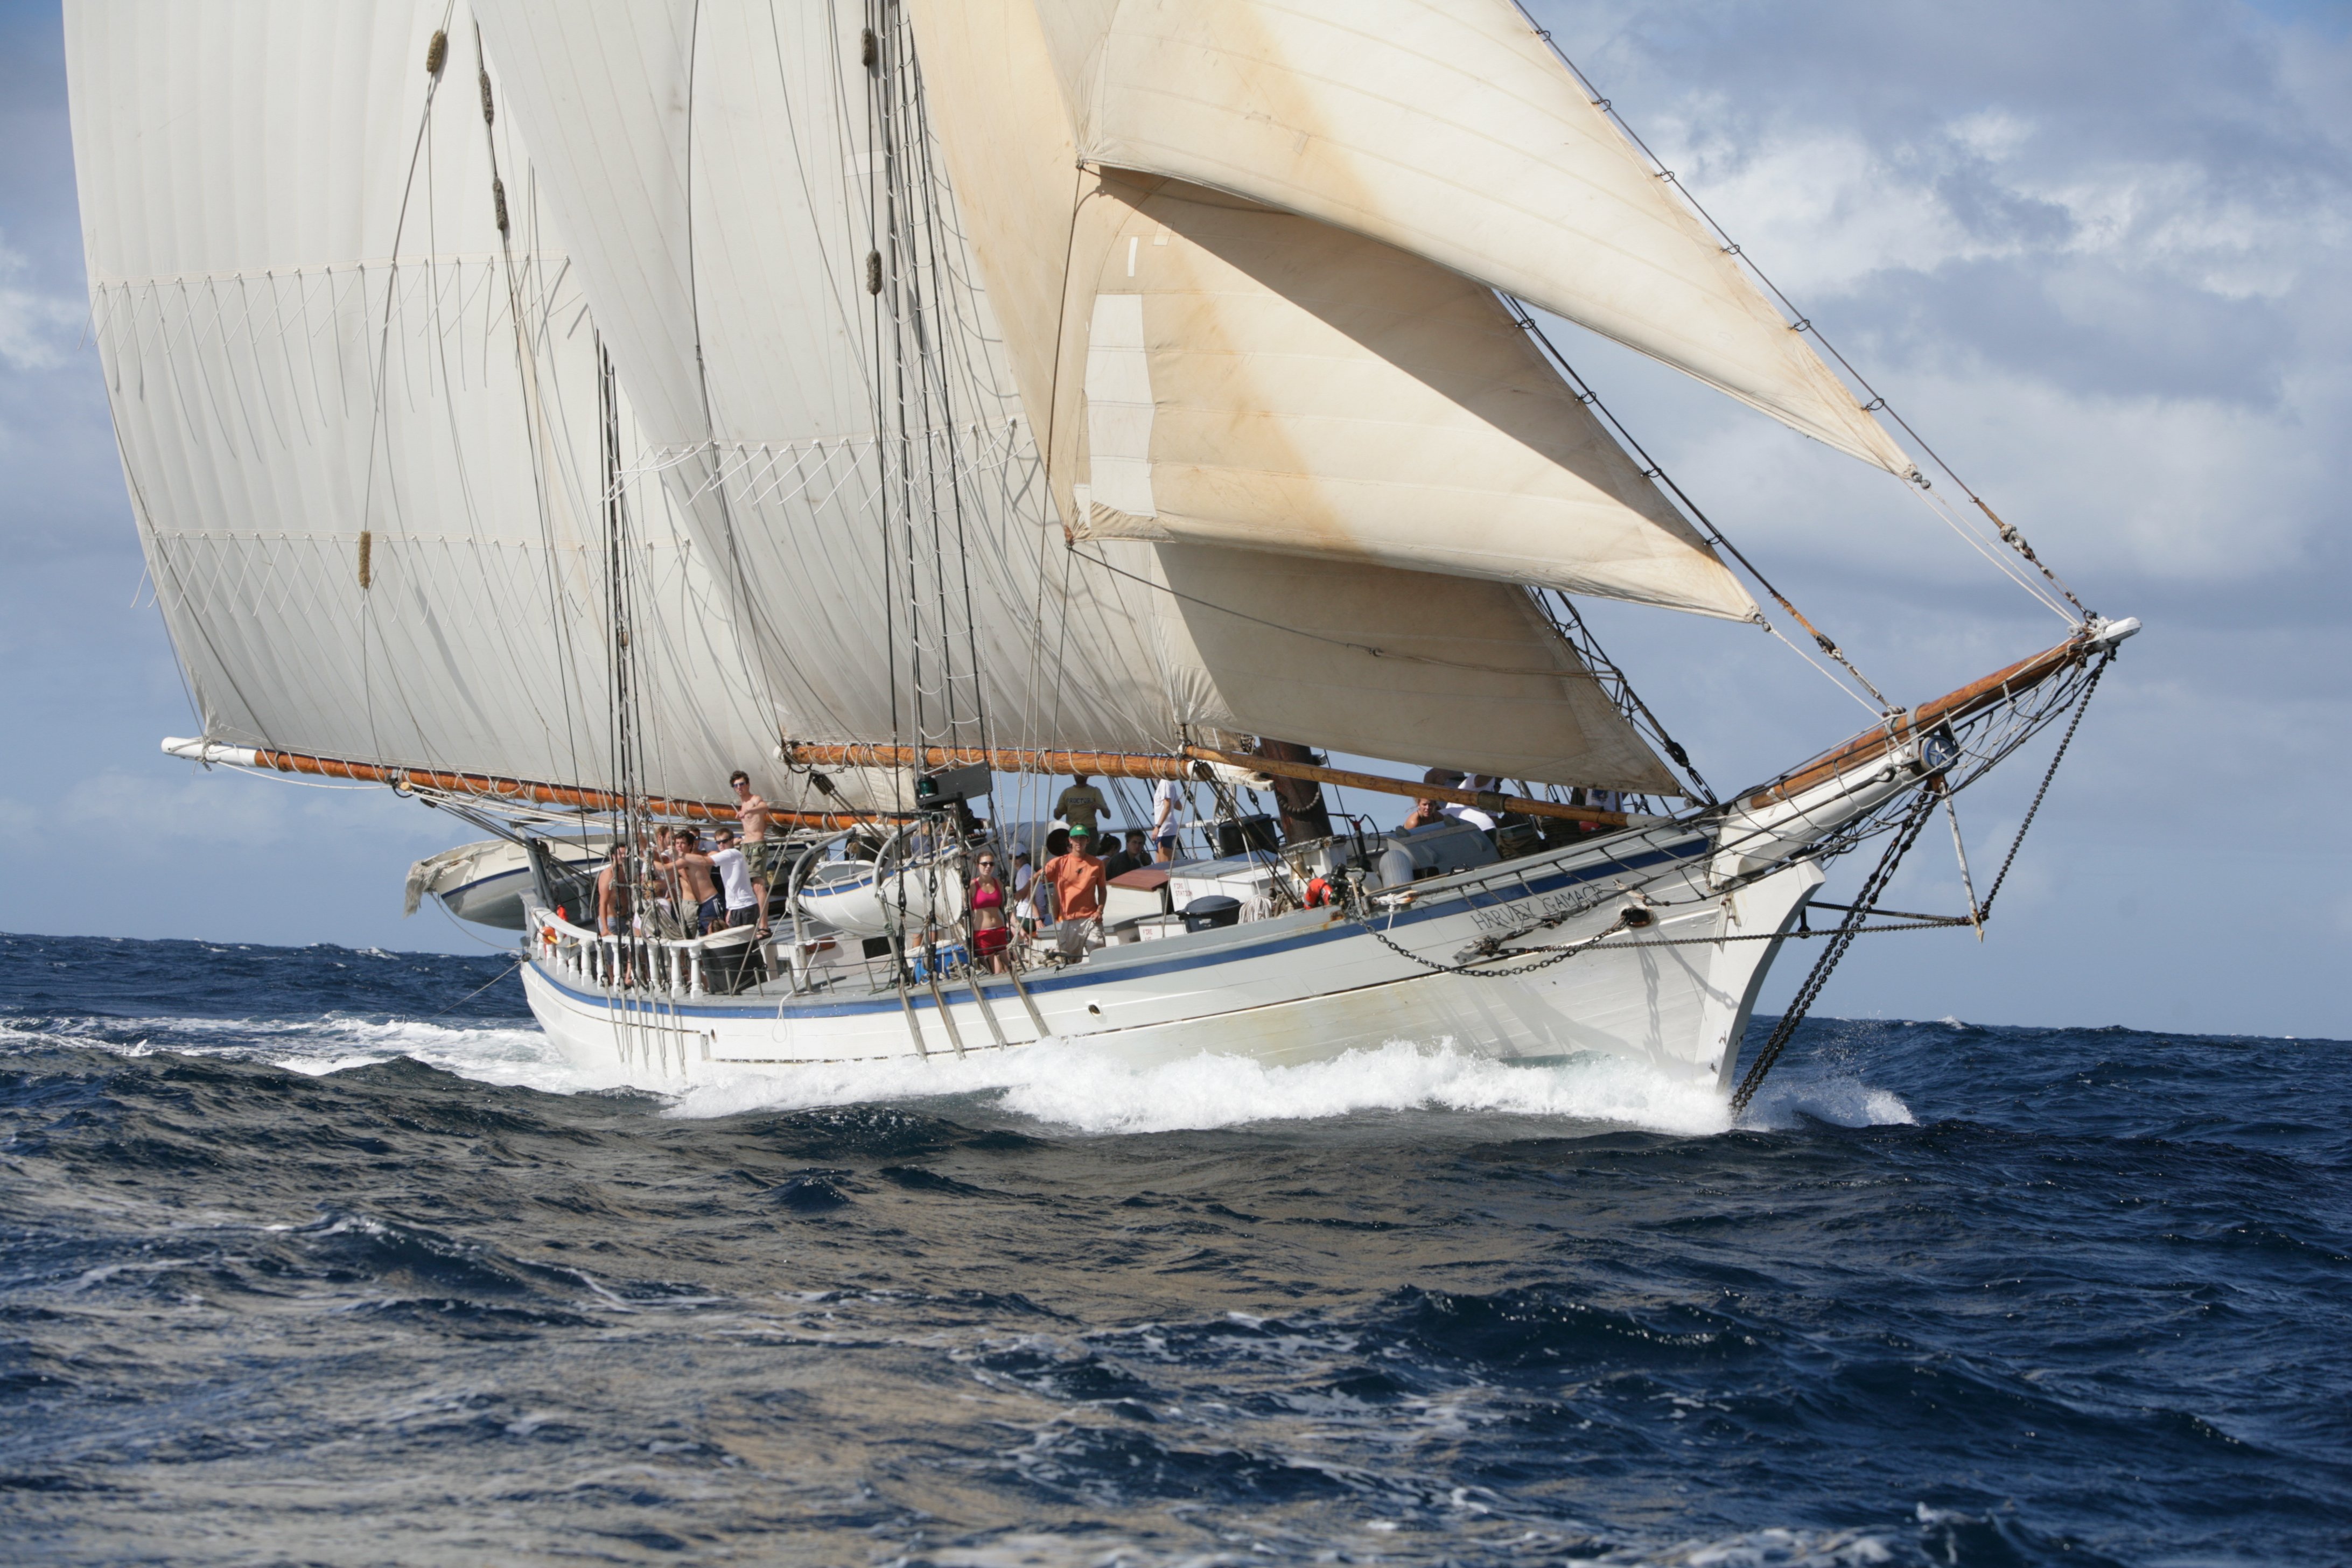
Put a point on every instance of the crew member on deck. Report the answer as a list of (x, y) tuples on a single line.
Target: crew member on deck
[(986, 902), (1078, 882), (1476, 818), (1167, 818), (756, 813), (1082, 804), (698, 886), (746, 897), (1117, 859), (613, 904)]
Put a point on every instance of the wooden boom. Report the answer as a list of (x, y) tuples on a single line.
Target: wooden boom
[(522, 791)]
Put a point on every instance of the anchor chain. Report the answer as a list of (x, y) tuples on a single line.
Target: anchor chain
[(1922, 807)]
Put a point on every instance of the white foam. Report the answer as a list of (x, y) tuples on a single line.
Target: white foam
[(1078, 1087), (520, 1056), (1066, 1083), (1842, 1100)]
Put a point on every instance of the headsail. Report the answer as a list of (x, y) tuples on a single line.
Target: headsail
[(1448, 129), (1225, 374)]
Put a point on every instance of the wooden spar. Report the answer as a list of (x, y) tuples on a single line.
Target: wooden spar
[(1950, 708), (528, 792), (1185, 765)]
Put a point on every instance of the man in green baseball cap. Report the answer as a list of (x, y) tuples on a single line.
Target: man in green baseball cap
[(1078, 885)]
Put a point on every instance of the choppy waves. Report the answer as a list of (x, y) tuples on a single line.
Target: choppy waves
[(342, 1264)]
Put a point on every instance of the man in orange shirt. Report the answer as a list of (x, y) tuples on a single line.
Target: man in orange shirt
[(1077, 881)]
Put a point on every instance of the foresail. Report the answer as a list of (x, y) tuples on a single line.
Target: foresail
[(1254, 378), (1461, 673), (357, 394), (1226, 373), (1446, 128)]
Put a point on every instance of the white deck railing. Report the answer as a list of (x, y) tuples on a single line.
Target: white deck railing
[(664, 965)]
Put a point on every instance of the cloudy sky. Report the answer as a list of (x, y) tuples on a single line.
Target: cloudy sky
[(2096, 253)]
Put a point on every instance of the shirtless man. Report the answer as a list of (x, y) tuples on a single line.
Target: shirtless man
[(699, 884), (614, 905), (756, 813)]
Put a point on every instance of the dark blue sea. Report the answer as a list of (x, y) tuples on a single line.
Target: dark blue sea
[(320, 1255)]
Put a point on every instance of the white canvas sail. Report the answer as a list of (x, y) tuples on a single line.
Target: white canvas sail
[(1226, 373), (1446, 128), (725, 191), (1284, 384), (360, 425)]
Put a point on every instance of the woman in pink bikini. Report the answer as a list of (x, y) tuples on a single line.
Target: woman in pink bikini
[(985, 901)]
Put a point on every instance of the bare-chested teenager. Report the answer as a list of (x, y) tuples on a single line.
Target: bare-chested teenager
[(614, 905), (700, 888), (756, 813)]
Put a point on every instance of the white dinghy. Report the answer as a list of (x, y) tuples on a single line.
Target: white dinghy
[(547, 410)]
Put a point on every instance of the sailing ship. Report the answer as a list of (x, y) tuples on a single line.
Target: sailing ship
[(545, 410)]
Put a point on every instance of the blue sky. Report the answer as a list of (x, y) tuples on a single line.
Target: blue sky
[(2097, 252)]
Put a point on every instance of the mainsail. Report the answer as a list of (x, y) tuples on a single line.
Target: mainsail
[(778, 224), (356, 387)]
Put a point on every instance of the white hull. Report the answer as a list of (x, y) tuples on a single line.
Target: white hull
[(1294, 988)]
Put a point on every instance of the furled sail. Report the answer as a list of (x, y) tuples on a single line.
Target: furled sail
[(1446, 128), (359, 403), (782, 236)]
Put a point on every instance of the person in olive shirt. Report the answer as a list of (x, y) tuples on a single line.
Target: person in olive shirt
[(1082, 804)]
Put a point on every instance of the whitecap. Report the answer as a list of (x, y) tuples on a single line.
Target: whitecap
[(1088, 1090)]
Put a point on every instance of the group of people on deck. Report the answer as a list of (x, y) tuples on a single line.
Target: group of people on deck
[(1069, 889), (684, 890), (687, 884)]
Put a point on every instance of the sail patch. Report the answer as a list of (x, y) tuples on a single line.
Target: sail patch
[(1119, 406)]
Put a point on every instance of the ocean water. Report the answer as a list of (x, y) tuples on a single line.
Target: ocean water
[(318, 1256)]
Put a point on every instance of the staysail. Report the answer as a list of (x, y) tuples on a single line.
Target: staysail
[(356, 388), (1446, 128), (1222, 373)]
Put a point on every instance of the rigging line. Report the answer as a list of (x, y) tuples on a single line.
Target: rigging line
[(1944, 515), (1801, 322), (1826, 672), (881, 420), (1916, 818), (526, 366), (1656, 472), (833, 289), (745, 603), (933, 184), (1590, 648), (383, 351), (922, 250)]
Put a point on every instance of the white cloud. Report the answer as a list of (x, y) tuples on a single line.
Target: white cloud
[(36, 329)]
